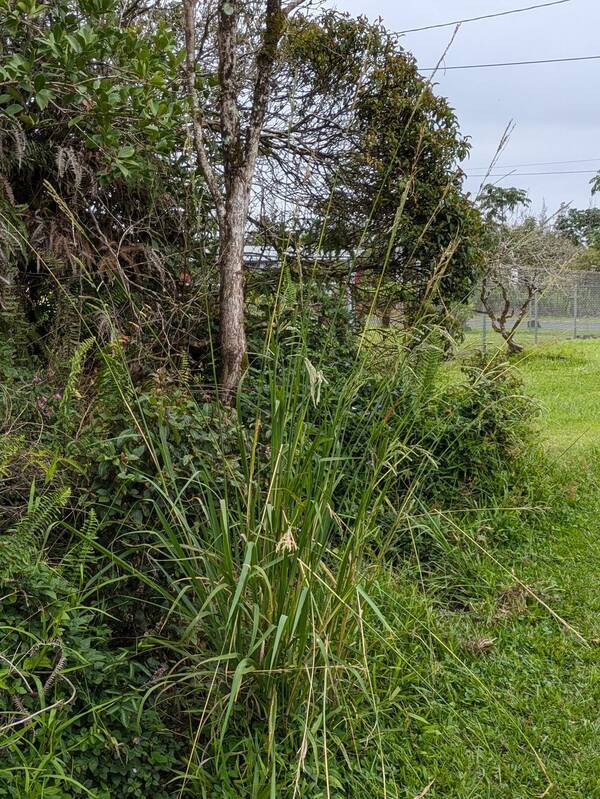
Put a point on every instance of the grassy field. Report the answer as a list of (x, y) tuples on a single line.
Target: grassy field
[(523, 666), (566, 379), (551, 331), (564, 376), (526, 685)]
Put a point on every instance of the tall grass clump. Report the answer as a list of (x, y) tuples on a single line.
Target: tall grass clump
[(242, 566), (256, 585)]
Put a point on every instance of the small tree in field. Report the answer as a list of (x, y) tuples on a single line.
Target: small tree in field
[(523, 261)]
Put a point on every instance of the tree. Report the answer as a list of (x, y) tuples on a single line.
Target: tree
[(522, 261), (347, 134), (390, 189), (245, 44), (143, 145), (581, 226), (94, 202), (498, 203)]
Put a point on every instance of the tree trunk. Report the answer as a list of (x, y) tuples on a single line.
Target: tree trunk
[(513, 347), (231, 265), (240, 151)]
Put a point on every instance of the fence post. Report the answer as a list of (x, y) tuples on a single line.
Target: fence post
[(575, 308), (535, 316), (484, 332)]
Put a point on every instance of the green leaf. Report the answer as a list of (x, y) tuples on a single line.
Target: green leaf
[(241, 583), (43, 97), (74, 44), (243, 668), (280, 627), (16, 63), (228, 9), (374, 608), (14, 109), (126, 152), (122, 169)]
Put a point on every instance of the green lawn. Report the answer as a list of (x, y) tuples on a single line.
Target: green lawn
[(520, 714), (551, 331), (566, 379), (564, 376)]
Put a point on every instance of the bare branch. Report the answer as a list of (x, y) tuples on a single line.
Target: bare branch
[(274, 23), (290, 7), (197, 117)]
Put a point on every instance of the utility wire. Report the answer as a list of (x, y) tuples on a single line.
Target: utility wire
[(513, 63), (485, 16), (520, 174), (536, 163)]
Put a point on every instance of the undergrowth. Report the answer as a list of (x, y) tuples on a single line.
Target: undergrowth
[(214, 603)]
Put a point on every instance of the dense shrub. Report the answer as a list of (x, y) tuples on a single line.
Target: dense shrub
[(481, 433), (69, 698)]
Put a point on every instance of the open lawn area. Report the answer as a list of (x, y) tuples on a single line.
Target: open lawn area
[(565, 378), (528, 685)]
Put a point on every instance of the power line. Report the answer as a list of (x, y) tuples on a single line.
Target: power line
[(536, 163), (485, 16), (522, 174), (513, 63)]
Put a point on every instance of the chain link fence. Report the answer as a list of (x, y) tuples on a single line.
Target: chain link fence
[(559, 307)]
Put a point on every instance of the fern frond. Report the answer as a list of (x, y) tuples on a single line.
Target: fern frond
[(77, 559), (66, 410), (10, 447), (185, 370), (20, 546), (289, 291), (114, 382)]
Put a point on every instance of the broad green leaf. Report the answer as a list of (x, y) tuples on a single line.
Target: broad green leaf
[(122, 169), (43, 97), (73, 43)]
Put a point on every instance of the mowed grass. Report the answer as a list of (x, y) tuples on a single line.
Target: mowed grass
[(510, 706), (474, 338), (520, 715), (565, 378), (550, 331)]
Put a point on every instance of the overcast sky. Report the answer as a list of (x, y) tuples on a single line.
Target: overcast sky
[(556, 107)]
